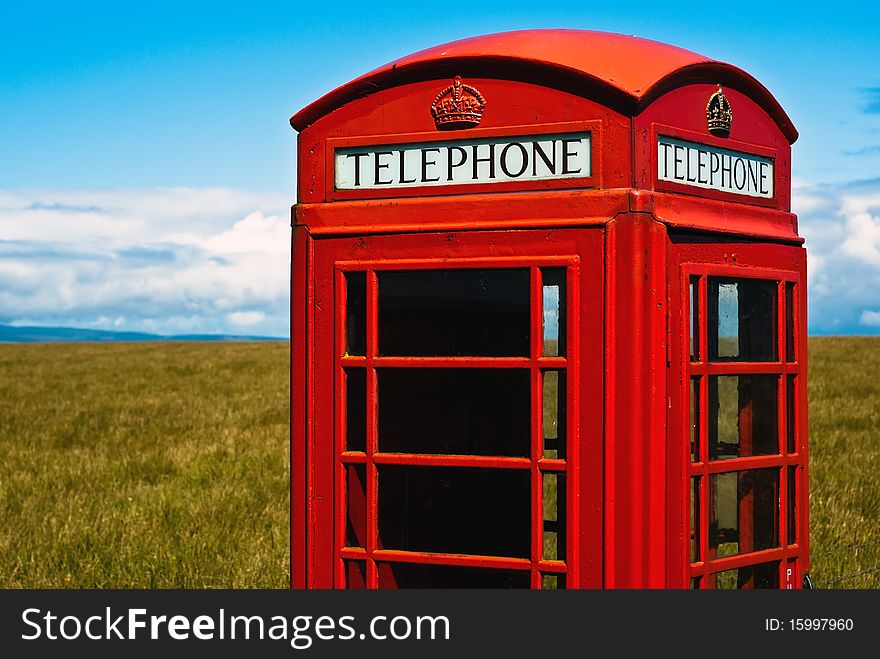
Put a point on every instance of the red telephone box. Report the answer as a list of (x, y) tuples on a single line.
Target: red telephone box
[(549, 323)]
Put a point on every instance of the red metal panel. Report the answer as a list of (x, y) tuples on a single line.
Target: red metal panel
[(513, 108), (635, 403), (594, 180), (623, 71), (682, 113), (299, 397)]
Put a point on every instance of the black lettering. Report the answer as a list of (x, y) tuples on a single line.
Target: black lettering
[(739, 166), (478, 160), (566, 154), (765, 176), (450, 166), (403, 178), (666, 147), (690, 152), (538, 152), (357, 166), (701, 165), (426, 162), (714, 167), (379, 166), (678, 161), (525, 160), (726, 170), (753, 173)]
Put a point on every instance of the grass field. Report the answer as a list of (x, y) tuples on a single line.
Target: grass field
[(144, 465), (166, 465)]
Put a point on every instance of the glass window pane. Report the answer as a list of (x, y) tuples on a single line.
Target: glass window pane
[(554, 517), (552, 581), (695, 420), (554, 414), (791, 414), (553, 311), (789, 322), (763, 575), (695, 520), (694, 297), (356, 505), (743, 512), (454, 312), (743, 416), (356, 313), (355, 575), (458, 511), (742, 320), (355, 409), (454, 411), (792, 505), (412, 575)]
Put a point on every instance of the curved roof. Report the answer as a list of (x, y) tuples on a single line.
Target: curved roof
[(624, 72)]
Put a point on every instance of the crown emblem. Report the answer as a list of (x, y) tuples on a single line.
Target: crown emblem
[(718, 114), (458, 106)]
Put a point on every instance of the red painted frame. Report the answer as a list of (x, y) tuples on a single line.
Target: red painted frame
[(582, 464), (658, 129), (594, 180)]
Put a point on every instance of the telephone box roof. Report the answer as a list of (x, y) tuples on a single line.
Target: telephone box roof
[(624, 72)]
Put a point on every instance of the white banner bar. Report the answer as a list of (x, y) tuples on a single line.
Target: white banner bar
[(458, 162), (712, 168)]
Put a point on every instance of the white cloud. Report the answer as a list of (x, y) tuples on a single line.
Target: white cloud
[(246, 317), (842, 235), (870, 318), (863, 237), (166, 261)]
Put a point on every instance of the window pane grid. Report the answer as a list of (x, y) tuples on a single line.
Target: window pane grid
[(543, 358), (765, 566)]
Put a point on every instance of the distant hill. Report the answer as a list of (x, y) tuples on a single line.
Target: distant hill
[(10, 334)]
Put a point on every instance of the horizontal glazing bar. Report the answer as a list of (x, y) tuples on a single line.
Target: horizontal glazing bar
[(549, 464), (463, 560), (555, 567), (716, 270), (743, 368), (741, 560), (431, 460), (739, 464), (452, 362), (474, 262), (426, 460)]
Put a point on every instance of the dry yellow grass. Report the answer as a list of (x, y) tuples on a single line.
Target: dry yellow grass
[(167, 464), (144, 465)]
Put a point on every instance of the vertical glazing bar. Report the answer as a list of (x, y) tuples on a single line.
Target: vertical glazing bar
[(372, 429), (780, 321), (536, 337), (572, 434), (339, 436)]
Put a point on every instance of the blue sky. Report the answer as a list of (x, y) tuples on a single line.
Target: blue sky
[(147, 167)]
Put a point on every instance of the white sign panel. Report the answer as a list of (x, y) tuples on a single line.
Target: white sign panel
[(457, 162), (711, 168)]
